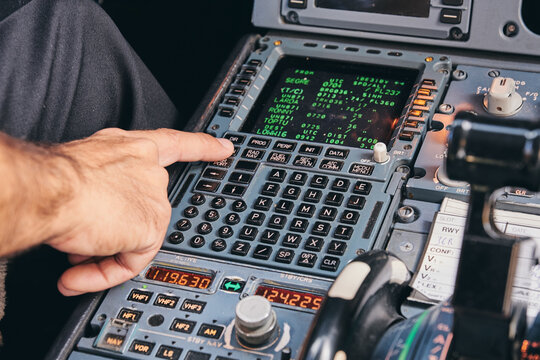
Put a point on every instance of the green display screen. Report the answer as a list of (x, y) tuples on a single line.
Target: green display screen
[(329, 102)]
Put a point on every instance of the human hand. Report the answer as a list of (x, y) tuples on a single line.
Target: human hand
[(116, 220)]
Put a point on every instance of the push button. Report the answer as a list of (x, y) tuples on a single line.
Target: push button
[(356, 202), (362, 188), (232, 101), (341, 184), (225, 163), (277, 221), (278, 158), (232, 285), (305, 161), (142, 347), (298, 178), (270, 189), (226, 112), (198, 199), (197, 241), (284, 146), (336, 247), (193, 306), (195, 355), (210, 331), (235, 139), (277, 175), (328, 213), (314, 244), (219, 245), (166, 301), (361, 169), (248, 233), (246, 165), (239, 205), (240, 248), (306, 210), (269, 236), (291, 240), (216, 174), (253, 154), (450, 16), (329, 263), (234, 190), (263, 203), (284, 256), (140, 296), (183, 326), (259, 143), (240, 178), (218, 202), (337, 153), (298, 4), (262, 252), (284, 207), (205, 185), (176, 237), (319, 181), (291, 192), (113, 342), (310, 149), (331, 165), (191, 212), (307, 259), (129, 315), (168, 352)]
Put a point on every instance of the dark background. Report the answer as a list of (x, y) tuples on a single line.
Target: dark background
[(184, 44)]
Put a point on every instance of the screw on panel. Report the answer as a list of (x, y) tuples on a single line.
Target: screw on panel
[(510, 29), (406, 246), (494, 73), (360, 251), (406, 214), (215, 127), (292, 17), (443, 71), (252, 278), (443, 58), (459, 74), (446, 109), (405, 170), (457, 34)]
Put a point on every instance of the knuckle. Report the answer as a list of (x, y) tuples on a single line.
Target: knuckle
[(145, 147), (111, 132)]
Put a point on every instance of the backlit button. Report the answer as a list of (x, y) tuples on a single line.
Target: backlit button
[(362, 188), (262, 252), (361, 169), (406, 135), (305, 161), (243, 81), (284, 207), (176, 237), (210, 331), (337, 153), (226, 112), (253, 154), (211, 215), (191, 212), (234, 190), (269, 236), (240, 248), (284, 256), (415, 112), (328, 213), (306, 210), (255, 62), (205, 185), (168, 352), (291, 240), (232, 101), (246, 165), (450, 16), (297, 4), (314, 244), (270, 189), (262, 203), (196, 355), (356, 202), (343, 232), (204, 228), (349, 217), (219, 245), (183, 224), (312, 195), (238, 91), (240, 178), (341, 184), (197, 241), (333, 199), (166, 301), (329, 263), (299, 225), (225, 163), (193, 306), (420, 102), (248, 233), (336, 247), (218, 202), (320, 228), (129, 315), (278, 158), (225, 231), (411, 123), (232, 219), (255, 218), (183, 326), (198, 199), (277, 175), (277, 221), (236, 139), (140, 296), (141, 347), (291, 192), (452, 2), (319, 181), (248, 70), (114, 342), (331, 165), (239, 205), (307, 259), (284, 146), (310, 149), (259, 143), (298, 178)]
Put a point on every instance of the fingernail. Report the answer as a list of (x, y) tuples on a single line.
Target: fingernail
[(226, 143)]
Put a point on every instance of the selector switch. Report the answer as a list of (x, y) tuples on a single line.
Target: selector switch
[(502, 98), (380, 153), (255, 321)]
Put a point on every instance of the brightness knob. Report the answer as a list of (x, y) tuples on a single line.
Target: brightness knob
[(380, 153)]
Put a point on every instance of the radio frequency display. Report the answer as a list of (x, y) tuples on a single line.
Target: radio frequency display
[(178, 277), (337, 103), (280, 295)]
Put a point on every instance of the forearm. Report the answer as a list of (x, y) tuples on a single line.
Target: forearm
[(36, 183)]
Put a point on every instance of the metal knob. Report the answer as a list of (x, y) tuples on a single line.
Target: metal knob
[(380, 153), (255, 321), (502, 98)]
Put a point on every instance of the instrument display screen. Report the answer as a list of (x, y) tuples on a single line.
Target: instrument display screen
[(416, 8), (338, 103), (305, 300), (178, 277)]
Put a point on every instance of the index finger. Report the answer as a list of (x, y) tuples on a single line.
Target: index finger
[(174, 145)]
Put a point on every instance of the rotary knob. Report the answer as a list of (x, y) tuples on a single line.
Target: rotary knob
[(255, 321), (380, 153), (502, 98)]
